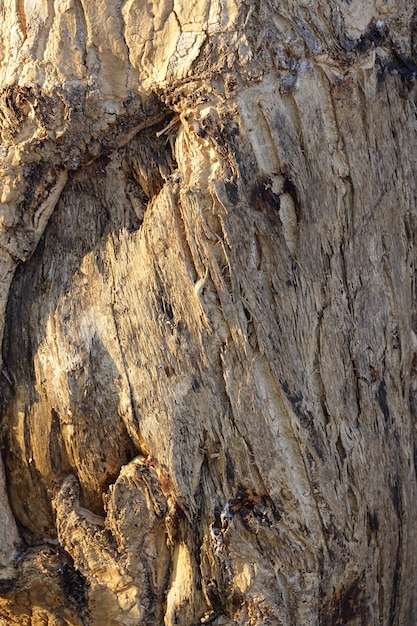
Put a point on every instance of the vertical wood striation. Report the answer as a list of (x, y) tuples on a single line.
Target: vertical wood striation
[(208, 400)]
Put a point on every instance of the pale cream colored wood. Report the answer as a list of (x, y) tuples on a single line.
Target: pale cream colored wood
[(207, 297)]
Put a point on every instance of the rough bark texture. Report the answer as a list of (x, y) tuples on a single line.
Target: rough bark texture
[(209, 379)]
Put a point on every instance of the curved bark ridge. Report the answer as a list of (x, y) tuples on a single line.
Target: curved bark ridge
[(74, 92), (196, 415), (43, 137)]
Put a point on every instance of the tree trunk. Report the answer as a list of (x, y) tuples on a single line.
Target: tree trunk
[(209, 379)]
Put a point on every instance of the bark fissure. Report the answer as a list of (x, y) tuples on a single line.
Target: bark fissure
[(213, 350)]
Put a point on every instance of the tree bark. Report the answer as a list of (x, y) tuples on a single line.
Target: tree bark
[(207, 289)]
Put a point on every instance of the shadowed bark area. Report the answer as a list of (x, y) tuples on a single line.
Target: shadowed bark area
[(209, 359)]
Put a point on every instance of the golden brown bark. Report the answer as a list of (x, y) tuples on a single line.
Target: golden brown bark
[(209, 373)]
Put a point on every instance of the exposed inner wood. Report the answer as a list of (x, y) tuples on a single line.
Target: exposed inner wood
[(207, 295)]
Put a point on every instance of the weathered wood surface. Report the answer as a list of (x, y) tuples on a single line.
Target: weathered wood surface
[(209, 381)]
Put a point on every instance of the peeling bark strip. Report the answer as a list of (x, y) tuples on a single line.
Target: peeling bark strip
[(208, 387)]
